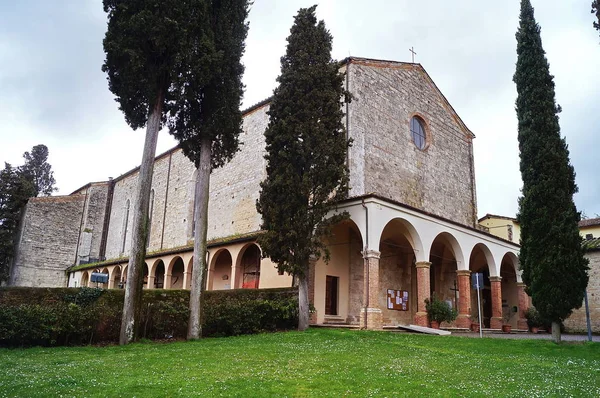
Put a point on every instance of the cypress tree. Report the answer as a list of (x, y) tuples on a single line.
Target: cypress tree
[(551, 256), (205, 117), (306, 149), (145, 46)]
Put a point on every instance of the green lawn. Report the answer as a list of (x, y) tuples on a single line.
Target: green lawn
[(316, 363)]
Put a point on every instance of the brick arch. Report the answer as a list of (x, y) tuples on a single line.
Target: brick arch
[(248, 263)]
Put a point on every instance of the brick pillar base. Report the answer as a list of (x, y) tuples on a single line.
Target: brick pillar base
[(464, 299), (374, 319), (523, 306), (496, 320), (371, 316), (312, 319), (423, 292)]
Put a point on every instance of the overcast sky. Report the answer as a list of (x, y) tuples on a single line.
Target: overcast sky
[(52, 90)]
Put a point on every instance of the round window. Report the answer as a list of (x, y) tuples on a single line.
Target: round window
[(417, 130)]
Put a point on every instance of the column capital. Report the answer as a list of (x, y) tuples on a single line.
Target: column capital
[(423, 264), (463, 272), (521, 284), (369, 253), (495, 278), (312, 259)]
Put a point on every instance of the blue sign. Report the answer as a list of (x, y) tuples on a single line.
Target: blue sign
[(477, 280)]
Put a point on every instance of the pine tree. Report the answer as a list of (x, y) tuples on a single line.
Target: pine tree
[(306, 151), (596, 10), (206, 119), (38, 170), (551, 255), (145, 44)]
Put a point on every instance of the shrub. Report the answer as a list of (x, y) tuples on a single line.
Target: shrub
[(75, 316), (439, 311)]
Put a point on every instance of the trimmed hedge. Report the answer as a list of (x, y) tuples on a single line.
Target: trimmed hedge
[(75, 316)]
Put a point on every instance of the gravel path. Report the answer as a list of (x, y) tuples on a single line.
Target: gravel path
[(539, 336)]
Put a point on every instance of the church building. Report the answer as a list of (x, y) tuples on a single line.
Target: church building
[(412, 231)]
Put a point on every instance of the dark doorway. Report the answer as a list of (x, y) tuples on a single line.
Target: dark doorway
[(331, 295)]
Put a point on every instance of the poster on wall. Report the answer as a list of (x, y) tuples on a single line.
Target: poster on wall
[(397, 300)]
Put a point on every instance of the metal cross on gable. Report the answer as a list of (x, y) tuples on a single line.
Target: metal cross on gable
[(412, 50)]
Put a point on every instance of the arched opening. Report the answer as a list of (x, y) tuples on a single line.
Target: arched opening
[(221, 271), (397, 273), (510, 291), (104, 285), (159, 275), (85, 279), (145, 275), (177, 269), (478, 263), (444, 256), (338, 285), (250, 267), (115, 279)]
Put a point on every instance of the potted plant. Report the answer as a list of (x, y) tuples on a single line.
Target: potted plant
[(506, 326), (439, 311), (534, 321)]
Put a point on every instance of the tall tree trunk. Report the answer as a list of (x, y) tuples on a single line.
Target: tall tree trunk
[(556, 332), (201, 193), (303, 306), (133, 289)]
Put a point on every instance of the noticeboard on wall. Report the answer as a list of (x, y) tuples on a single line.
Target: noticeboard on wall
[(397, 300)]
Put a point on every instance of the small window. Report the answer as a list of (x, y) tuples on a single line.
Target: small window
[(417, 130)]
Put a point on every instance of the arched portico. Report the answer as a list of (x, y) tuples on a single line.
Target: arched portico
[(85, 279), (115, 277), (482, 262), (397, 273), (220, 270), (336, 288), (156, 278), (249, 267), (175, 272)]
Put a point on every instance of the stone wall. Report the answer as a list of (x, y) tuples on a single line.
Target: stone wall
[(48, 241), (233, 193), (577, 322), (439, 179)]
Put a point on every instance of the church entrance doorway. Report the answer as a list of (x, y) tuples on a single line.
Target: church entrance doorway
[(331, 295)]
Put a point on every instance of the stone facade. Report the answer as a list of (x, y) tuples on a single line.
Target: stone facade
[(577, 321), (48, 241), (439, 179)]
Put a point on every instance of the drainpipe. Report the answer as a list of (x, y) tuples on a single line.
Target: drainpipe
[(366, 248)]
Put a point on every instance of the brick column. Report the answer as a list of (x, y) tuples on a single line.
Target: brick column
[(423, 292), (464, 299), (168, 279), (371, 316), (496, 321), (234, 276), (523, 306), (312, 261)]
